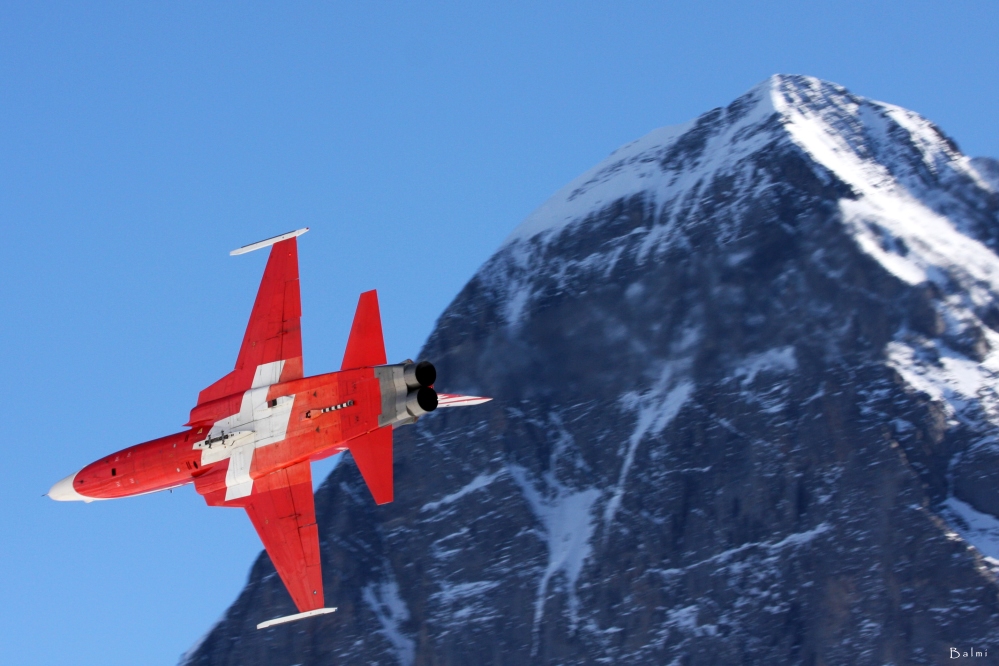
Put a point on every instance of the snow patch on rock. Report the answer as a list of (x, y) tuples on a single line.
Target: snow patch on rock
[(463, 602), (979, 529), (655, 408), (568, 526), (479, 482), (391, 611), (780, 359)]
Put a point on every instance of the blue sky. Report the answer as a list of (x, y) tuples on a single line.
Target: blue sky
[(140, 142)]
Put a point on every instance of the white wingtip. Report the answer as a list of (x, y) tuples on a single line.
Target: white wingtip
[(296, 616), (270, 241)]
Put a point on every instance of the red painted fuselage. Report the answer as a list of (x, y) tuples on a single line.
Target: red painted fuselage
[(185, 457)]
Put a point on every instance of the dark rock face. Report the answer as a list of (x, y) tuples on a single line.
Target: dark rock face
[(744, 412)]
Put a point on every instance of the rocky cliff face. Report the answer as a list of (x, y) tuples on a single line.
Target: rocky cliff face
[(745, 412)]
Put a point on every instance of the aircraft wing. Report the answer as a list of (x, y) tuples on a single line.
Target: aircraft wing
[(272, 344), (282, 509), (283, 512)]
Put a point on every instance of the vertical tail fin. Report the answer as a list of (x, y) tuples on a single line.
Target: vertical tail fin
[(366, 346)]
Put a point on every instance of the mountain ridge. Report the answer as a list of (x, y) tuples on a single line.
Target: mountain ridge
[(788, 102)]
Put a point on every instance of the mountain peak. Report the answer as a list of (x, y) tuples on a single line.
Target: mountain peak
[(804, 86), (869, 147)]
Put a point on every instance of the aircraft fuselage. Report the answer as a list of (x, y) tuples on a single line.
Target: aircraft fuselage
[(239, 438)]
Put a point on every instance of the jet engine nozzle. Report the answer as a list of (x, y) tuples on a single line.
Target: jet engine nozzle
[(421, 401), (407, 391), (420, 374)]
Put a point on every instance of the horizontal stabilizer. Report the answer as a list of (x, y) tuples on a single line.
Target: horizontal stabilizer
[(452, 400), (373, 454), (296, 616)]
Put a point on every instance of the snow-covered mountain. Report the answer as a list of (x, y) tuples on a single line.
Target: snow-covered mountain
[(746, 412)]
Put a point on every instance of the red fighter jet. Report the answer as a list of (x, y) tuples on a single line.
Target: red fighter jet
[(253, 434)]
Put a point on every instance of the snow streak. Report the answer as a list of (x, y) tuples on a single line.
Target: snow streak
[(656, 408), (391, 611)]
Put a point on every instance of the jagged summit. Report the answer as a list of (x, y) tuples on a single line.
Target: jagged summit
[(871, 146), (745, 411)]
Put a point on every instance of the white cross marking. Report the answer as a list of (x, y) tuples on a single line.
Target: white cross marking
[(256, 424)]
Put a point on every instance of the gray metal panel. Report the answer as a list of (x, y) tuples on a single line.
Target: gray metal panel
[(392, 382)]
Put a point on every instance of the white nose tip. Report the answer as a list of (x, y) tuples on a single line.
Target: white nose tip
[(64, 491)]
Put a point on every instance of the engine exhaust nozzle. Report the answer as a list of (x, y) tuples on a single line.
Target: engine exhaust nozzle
[(421, 374), (421, 401)]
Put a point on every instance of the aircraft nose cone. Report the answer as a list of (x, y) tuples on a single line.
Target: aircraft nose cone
[(63, 491)]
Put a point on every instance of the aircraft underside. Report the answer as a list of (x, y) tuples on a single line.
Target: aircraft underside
[(253, 434)]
